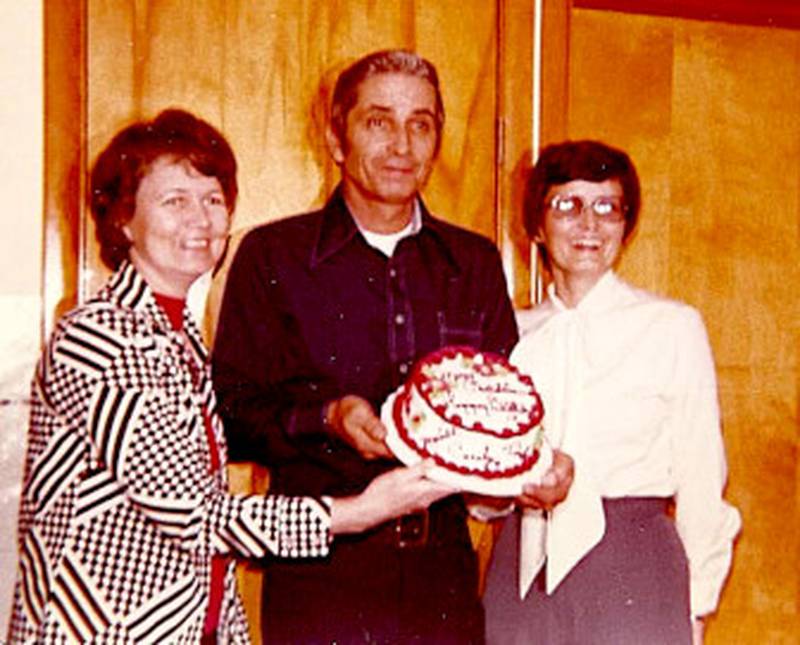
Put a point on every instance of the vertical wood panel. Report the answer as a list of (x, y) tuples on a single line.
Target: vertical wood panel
[(460, 39), (516, 119), (64, 152), (711, 115), (110, 102), (556, 16), (553, 105), (264, 77), (261, 73), (620, 92), (736, 189)]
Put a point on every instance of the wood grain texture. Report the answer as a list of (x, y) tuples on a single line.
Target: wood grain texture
[(772, 13), (515, 117), (710, 113), (65, 164), (263, 73)]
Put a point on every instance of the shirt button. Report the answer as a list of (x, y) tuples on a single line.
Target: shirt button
[(403, 368), (399, 319), (392, 273)]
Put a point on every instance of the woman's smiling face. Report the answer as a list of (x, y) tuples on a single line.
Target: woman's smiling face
[(179, 226), (586, 245)]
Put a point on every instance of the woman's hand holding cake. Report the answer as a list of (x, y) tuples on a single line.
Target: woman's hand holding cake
[(381, 500), (553, 487), (550, 490)]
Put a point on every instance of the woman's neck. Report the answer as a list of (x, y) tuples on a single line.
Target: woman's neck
[(572, 288)]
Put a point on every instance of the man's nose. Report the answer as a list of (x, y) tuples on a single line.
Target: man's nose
[(401, 141)]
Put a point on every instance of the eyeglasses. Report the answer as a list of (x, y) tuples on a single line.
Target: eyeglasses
[(571, 207)]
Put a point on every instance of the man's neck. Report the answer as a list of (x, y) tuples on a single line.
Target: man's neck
[(377, 216)]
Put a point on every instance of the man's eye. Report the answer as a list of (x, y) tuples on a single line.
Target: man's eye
[(421, 126), (216, 200), (376, 122)]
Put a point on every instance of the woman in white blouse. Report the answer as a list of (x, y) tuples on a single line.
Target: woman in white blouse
[(629, 390)]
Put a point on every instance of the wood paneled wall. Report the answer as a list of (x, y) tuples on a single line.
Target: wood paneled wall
[(710, 113), (262, 71)]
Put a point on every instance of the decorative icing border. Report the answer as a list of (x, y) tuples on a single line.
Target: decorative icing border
[(417, 378), (500, 487), (524, 466)]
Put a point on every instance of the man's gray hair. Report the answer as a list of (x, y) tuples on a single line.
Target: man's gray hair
[(345, 94)]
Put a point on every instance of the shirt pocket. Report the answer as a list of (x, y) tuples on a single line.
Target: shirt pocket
[(461, 327)]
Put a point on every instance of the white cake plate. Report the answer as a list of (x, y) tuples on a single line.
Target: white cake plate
[(497, 486)]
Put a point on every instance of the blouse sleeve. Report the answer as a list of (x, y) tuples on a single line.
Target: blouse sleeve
[(145, 439), (706, 523)]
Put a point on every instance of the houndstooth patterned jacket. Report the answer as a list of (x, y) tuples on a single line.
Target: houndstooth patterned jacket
[(120, 513)]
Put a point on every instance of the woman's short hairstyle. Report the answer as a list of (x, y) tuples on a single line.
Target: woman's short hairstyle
[(130, 155), (345, 93), (594, 161)]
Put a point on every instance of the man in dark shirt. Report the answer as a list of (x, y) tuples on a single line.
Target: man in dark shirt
[(324, 315)]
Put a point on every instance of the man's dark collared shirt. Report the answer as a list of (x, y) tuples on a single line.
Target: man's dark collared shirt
[(311, 312)]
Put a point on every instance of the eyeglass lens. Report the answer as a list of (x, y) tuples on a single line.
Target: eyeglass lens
[(572, 206)]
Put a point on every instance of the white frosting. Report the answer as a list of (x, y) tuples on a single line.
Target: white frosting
[(471, 412), (461, 447)]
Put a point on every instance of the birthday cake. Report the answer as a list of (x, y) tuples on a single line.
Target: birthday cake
[(475, 415)]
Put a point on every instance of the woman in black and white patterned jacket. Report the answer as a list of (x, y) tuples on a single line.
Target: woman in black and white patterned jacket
[(126, 528)]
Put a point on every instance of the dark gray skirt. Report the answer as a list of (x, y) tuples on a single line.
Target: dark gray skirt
[(632, 588)]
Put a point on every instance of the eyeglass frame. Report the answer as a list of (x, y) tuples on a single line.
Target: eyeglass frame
[(614, 216)]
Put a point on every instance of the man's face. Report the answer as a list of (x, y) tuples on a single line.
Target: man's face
[(390, 139)]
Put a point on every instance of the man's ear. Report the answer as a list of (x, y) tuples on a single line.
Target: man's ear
[(334, 145)]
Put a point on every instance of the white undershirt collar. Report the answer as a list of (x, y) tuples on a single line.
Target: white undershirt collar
[(386, 242)]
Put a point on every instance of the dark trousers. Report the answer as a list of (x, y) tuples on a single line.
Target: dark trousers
[(631, 589), (370, 590)]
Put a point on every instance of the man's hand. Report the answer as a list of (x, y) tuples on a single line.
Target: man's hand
[(554, 485), (354, 421)]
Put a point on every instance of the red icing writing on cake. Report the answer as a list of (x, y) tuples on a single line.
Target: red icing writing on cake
[(472, 412)]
